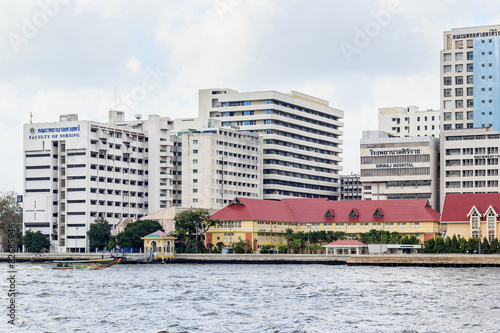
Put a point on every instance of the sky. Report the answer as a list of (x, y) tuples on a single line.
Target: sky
[(60, 57)]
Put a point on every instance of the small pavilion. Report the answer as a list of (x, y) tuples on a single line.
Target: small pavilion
[(346, 247), (162, 244)]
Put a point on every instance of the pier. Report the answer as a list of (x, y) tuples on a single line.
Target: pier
[(422, 260)]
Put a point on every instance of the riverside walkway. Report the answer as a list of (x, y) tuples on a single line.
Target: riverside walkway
[(426, 260)]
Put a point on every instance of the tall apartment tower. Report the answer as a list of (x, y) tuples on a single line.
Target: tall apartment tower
[(470, 77), (470, 100), (302, 138), (78, 171), (215, 165), (408, 121)]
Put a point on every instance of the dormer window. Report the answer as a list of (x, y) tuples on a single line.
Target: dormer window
[(353, 214), (329, 214), (378, 213)]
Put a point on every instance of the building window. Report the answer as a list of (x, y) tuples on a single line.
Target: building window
[(447, 93), (470, 79), (459, 104), (459, 79), (459, 115), (470, 56), (447, 105), (447, 115), (447, 57), (459, 92), (470, 68), (447, 69), (459, 68)]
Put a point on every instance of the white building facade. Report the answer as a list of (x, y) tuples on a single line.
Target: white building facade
[(350, 188), (215, 165), (78, 171), (469, 161), (409, 121), (301, 138), (399, 168)]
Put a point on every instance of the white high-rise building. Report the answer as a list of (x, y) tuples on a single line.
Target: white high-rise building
[(78, 171), (409, 121), (302, 137), (469, 161), (470, 77), (470, 101), (215, 165)]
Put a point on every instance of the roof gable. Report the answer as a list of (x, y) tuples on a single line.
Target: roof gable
[(354, 213), (490, 210), (329, 214), (472, 211)]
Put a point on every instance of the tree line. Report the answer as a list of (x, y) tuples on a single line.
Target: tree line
[(461, 245)]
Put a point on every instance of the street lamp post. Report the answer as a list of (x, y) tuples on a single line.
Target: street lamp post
[(308, 225)]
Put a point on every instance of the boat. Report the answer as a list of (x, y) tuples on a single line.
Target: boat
[(86, 264)]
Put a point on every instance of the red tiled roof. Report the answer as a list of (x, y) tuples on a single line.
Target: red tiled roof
[(314, 210), (347, 243), (456, 206)]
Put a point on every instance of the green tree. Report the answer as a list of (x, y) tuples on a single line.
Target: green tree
[(472, 245), (455, 244), (112, 243), (395, 237), (485, 246), (11, 219), (242, 246), (283, 248), (315, 248), (289, 237), (463, 244), (439, 245), (35, 241), (430, 244), (447, 244), (266, 249), (494, 246), (133, 232), (405, 240), (218, 247), (191, 225), (99, 234)]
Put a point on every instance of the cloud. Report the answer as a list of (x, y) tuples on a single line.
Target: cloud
[(133, 64)]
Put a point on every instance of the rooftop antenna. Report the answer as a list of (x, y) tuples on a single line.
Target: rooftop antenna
[(31, 117)]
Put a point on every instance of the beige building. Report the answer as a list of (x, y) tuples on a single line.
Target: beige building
[(409, 121), (213, 166), (302, 137), (399, 168)]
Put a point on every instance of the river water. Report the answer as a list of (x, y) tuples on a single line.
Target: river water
[(253, 298)]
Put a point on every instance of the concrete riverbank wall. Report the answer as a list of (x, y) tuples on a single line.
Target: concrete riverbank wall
[(428, 260)]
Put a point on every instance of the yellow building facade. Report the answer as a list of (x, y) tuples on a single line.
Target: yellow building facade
[(471, 215), (268, 225)]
